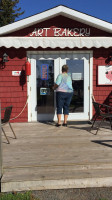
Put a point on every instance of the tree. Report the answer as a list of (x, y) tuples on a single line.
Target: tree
[(9, 11)]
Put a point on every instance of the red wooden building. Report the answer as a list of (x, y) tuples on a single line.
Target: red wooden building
[(48, 40)]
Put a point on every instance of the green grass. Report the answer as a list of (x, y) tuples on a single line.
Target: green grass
[(22, 196), (103, 199), (17, 196)]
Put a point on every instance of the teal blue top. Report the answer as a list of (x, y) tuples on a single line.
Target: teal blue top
[(64, 83)]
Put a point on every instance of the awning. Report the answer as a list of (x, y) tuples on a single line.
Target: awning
[(54, 42)]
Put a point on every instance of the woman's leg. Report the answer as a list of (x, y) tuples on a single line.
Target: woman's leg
[(59, 104), (59, 118), (65, 119), (66, 106)]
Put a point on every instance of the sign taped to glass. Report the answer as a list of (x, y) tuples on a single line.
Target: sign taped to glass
[(44, 91), (44, 71)]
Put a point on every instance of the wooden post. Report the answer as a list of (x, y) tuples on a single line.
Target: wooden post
[(0, 149)]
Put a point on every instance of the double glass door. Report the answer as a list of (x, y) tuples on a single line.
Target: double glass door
[(45, 69)]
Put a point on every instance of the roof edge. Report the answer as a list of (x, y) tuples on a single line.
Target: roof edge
[(59, 10)]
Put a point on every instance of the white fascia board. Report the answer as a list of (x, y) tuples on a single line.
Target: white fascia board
[(86, 19), (29, 21), (60, 10)]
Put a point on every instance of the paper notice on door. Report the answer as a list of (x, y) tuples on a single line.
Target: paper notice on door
[(76, 76), (44, 91)]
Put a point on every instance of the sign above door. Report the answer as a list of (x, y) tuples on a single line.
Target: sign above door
[(60, 32)]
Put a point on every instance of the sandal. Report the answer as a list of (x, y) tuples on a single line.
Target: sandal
[(65, 125), (58, 125)]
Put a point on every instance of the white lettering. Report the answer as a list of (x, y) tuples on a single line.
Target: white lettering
[(69, 32), (64, 33), (76, 31), (87, 32), (46, 29), (82, 31), (56, 31), (34, 33), (40, 32)]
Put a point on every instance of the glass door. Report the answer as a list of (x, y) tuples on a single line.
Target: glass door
[(76, 69), (79, 69), (45, 81), (44, 70)]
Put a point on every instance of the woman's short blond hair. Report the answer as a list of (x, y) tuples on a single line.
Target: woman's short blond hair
[(65, 68)]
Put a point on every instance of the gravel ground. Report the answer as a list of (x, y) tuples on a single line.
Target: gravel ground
[(75, 194)]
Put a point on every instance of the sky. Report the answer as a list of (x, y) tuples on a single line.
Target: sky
[(101, 9)]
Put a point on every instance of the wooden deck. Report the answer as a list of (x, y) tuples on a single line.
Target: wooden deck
[(46, 157)]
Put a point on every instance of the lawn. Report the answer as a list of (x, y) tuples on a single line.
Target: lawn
[(17, 196)]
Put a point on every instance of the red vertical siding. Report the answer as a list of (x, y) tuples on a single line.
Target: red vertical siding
[(13, 89), (102, 93)]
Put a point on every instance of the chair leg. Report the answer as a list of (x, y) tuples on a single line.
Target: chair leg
[(5, 136), (110, 122), (12, 131), (94, 122), (99, 125)]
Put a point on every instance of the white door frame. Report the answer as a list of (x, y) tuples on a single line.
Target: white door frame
[(32, 55)]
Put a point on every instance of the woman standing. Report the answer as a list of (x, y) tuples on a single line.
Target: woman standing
[(64, 93)]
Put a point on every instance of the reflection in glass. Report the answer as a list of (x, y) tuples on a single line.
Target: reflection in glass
[(76, 69), (45, 81)]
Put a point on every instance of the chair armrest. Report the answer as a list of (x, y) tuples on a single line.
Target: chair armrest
[(106, 107), (103, 107), (6, 107)]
